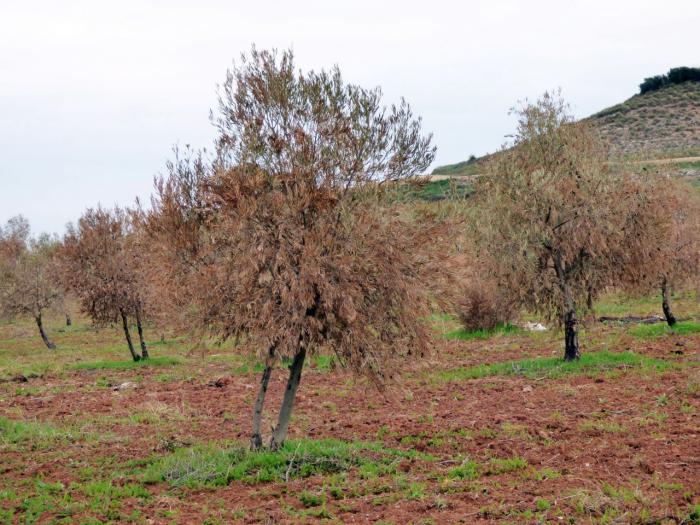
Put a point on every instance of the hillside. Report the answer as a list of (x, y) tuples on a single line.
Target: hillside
[(660, 123)]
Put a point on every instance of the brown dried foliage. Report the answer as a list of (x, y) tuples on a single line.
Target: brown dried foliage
[(661, 243), (96, 264), (283, 238), (551, 214)]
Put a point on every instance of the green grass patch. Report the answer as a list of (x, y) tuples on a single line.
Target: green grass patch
[(209, 465), (693, 165), (504, 465), (466, 167), (435, 190), (467, 470), (31, 434), (556, 367), (127, 365), (104, 495), (659, 329), (466, 335)]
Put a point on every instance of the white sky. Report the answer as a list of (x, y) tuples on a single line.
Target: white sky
[(93, 94)]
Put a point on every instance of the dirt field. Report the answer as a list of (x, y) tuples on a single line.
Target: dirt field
[(87, 438)]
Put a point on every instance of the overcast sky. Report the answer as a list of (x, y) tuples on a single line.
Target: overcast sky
[(93, 94)]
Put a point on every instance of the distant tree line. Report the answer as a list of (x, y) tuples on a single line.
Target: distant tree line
[(675, 75)]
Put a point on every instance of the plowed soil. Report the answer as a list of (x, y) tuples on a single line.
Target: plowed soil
[(615, 446)]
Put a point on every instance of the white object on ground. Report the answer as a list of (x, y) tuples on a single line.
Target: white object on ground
[(535, 327)]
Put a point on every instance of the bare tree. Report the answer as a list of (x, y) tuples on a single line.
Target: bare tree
[(27, 283), (550, 214), (284, 237), (95, 263)]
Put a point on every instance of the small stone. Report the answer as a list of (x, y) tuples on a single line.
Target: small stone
[(527, 388)]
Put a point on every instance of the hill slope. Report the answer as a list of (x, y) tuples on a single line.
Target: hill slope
[(660, 123), (665, 122)]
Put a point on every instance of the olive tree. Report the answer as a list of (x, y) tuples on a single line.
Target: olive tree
[(96, 259), (283, 237), (27, 282), (660, 249), (549, 214)]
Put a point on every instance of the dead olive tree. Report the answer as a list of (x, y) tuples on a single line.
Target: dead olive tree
[(27, 281), (549, 213), (95, 265), (661, 238), (283, 238)]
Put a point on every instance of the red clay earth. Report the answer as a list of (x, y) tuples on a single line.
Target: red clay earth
[(583, 437)]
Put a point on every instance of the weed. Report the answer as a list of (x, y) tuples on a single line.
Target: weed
[(467, 470), (503, 465), (415, 491), (602, 426), (546, 473), (542, 504), (309, 499)]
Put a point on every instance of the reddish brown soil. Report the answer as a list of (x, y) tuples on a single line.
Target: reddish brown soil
[(629, 429)]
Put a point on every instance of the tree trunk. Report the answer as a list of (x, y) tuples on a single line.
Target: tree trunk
[(572, 350), (571, 347), (139, 327), (256, 436), (280, 432), (45, 338), (668, 314), (125, 324), (68, 320)]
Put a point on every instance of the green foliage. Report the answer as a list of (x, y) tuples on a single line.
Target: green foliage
[(656, 330), (120, 365), (557, 367), (208, 465)]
